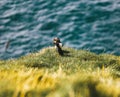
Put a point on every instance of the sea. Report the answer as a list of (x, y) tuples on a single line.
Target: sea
[(27, 26)]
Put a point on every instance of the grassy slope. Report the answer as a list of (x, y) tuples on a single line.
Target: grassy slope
[(46, 74)]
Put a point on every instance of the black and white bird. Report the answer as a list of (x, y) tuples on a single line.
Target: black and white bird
[(58, 45)]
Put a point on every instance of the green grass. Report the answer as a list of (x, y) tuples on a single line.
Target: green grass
[(78, 73)]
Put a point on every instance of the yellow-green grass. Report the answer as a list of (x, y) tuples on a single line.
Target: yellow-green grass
[(78, 73)]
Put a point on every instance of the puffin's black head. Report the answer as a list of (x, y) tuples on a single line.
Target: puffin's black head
[(56, 40)]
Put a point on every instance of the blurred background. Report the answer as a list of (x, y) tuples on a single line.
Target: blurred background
[(29, 25)]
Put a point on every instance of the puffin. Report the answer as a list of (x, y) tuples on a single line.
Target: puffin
[(58, 45)]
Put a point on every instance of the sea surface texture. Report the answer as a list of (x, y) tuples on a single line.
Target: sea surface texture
[(29, 25)]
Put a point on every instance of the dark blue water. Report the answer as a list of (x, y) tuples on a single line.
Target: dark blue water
[(29, 25)]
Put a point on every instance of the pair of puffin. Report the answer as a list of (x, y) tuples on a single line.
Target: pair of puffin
[(58, 45)]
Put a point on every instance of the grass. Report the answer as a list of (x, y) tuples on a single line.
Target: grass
[(78, 73)]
